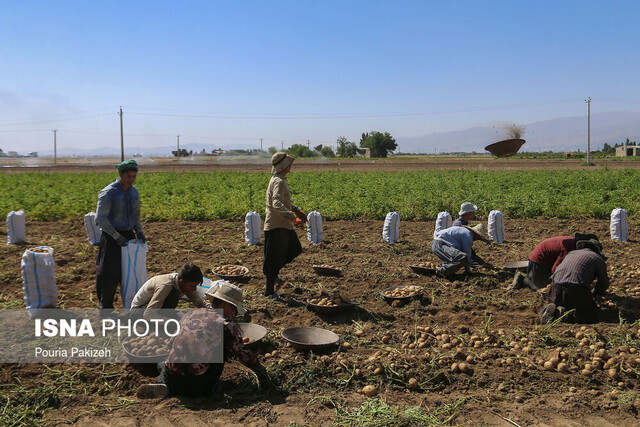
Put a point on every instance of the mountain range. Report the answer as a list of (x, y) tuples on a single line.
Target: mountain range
[(561, 134)]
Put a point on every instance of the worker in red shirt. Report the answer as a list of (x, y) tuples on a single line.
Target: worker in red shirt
[(544, 260)]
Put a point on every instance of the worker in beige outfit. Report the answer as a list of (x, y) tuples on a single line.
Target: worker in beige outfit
[(281, 243), (165, 291)]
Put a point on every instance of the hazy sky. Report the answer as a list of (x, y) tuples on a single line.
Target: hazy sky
[(232, 72)]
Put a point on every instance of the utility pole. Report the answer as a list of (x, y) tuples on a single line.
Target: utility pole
[(178, 152), (55, 155), (308, 146), (282, 145), (121, 138), (588, 101), (261, 143)]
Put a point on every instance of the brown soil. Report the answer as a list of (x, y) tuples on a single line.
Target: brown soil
[(497, 389), (196, 164)]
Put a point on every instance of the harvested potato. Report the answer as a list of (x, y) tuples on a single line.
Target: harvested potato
[(147, 346), (230, 270), (403, 292), (426, 265)]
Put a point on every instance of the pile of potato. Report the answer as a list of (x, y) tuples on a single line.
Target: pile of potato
[(230, 270), (331, 301), (150, 345), (247, 340), (403, 292), (427, 264)]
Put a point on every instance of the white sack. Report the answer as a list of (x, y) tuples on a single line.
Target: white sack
[(315, 234), (205, 286), (391, 229), (16, 232), (252, 228), (134, 270), (619, 226), (38, 281), (443, 221), (495, 225), (93, 231)]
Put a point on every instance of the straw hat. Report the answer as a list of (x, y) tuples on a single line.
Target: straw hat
[(478, 230), (229, 293), (280, 161), (467, 207)]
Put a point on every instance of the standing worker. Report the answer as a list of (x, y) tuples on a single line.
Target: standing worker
[(118, 214), (281, 243)]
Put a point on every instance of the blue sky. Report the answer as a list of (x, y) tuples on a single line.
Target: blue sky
[(228, 73)]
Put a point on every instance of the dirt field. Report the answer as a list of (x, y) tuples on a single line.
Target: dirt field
[(506, 383), (195, 164)]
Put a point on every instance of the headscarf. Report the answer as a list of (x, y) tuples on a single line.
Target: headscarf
[(128, 165)]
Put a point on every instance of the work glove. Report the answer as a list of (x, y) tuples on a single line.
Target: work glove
[(121, 240), (141, 237), (298, 223), (301, 215)]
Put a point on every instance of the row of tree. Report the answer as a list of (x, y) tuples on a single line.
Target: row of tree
[(379, 145)]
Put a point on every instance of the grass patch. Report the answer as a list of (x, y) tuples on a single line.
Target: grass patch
[(375, 412)]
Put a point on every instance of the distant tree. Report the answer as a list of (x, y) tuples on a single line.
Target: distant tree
[(346, 148), (324, 151), (183, 153), (380, 144), (327, 152), (300, 150), (272, 150), (609, 150)]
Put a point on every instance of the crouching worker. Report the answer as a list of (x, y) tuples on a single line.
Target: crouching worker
[(188, 370), (545, 259), (571, 285), (453, 246), (165, 291)]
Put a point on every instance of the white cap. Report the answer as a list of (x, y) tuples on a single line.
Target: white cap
[(467, 207)]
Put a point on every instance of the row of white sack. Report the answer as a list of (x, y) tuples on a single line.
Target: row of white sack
[(390, 233), (39, 283), (619, 226)]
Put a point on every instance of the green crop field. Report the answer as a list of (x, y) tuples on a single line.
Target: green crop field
[(337, 195)]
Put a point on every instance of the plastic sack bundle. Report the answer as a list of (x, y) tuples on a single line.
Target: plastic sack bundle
[(315, 233), (93, 231), (205, 286), (16, 232), (391, 229), (443, 221), (619, 226), (252, 228), (495, 225), (38, 280), (134, 270)]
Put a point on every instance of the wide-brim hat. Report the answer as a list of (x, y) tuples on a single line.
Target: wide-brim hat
[(467, 207), (478, 230), (230, 293), (280, 161)]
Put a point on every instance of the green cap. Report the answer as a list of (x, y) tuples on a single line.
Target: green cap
[(128, 165)]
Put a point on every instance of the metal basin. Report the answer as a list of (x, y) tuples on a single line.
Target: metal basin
[(517, 265), (506, 148), (252, 331), (306, 338)]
